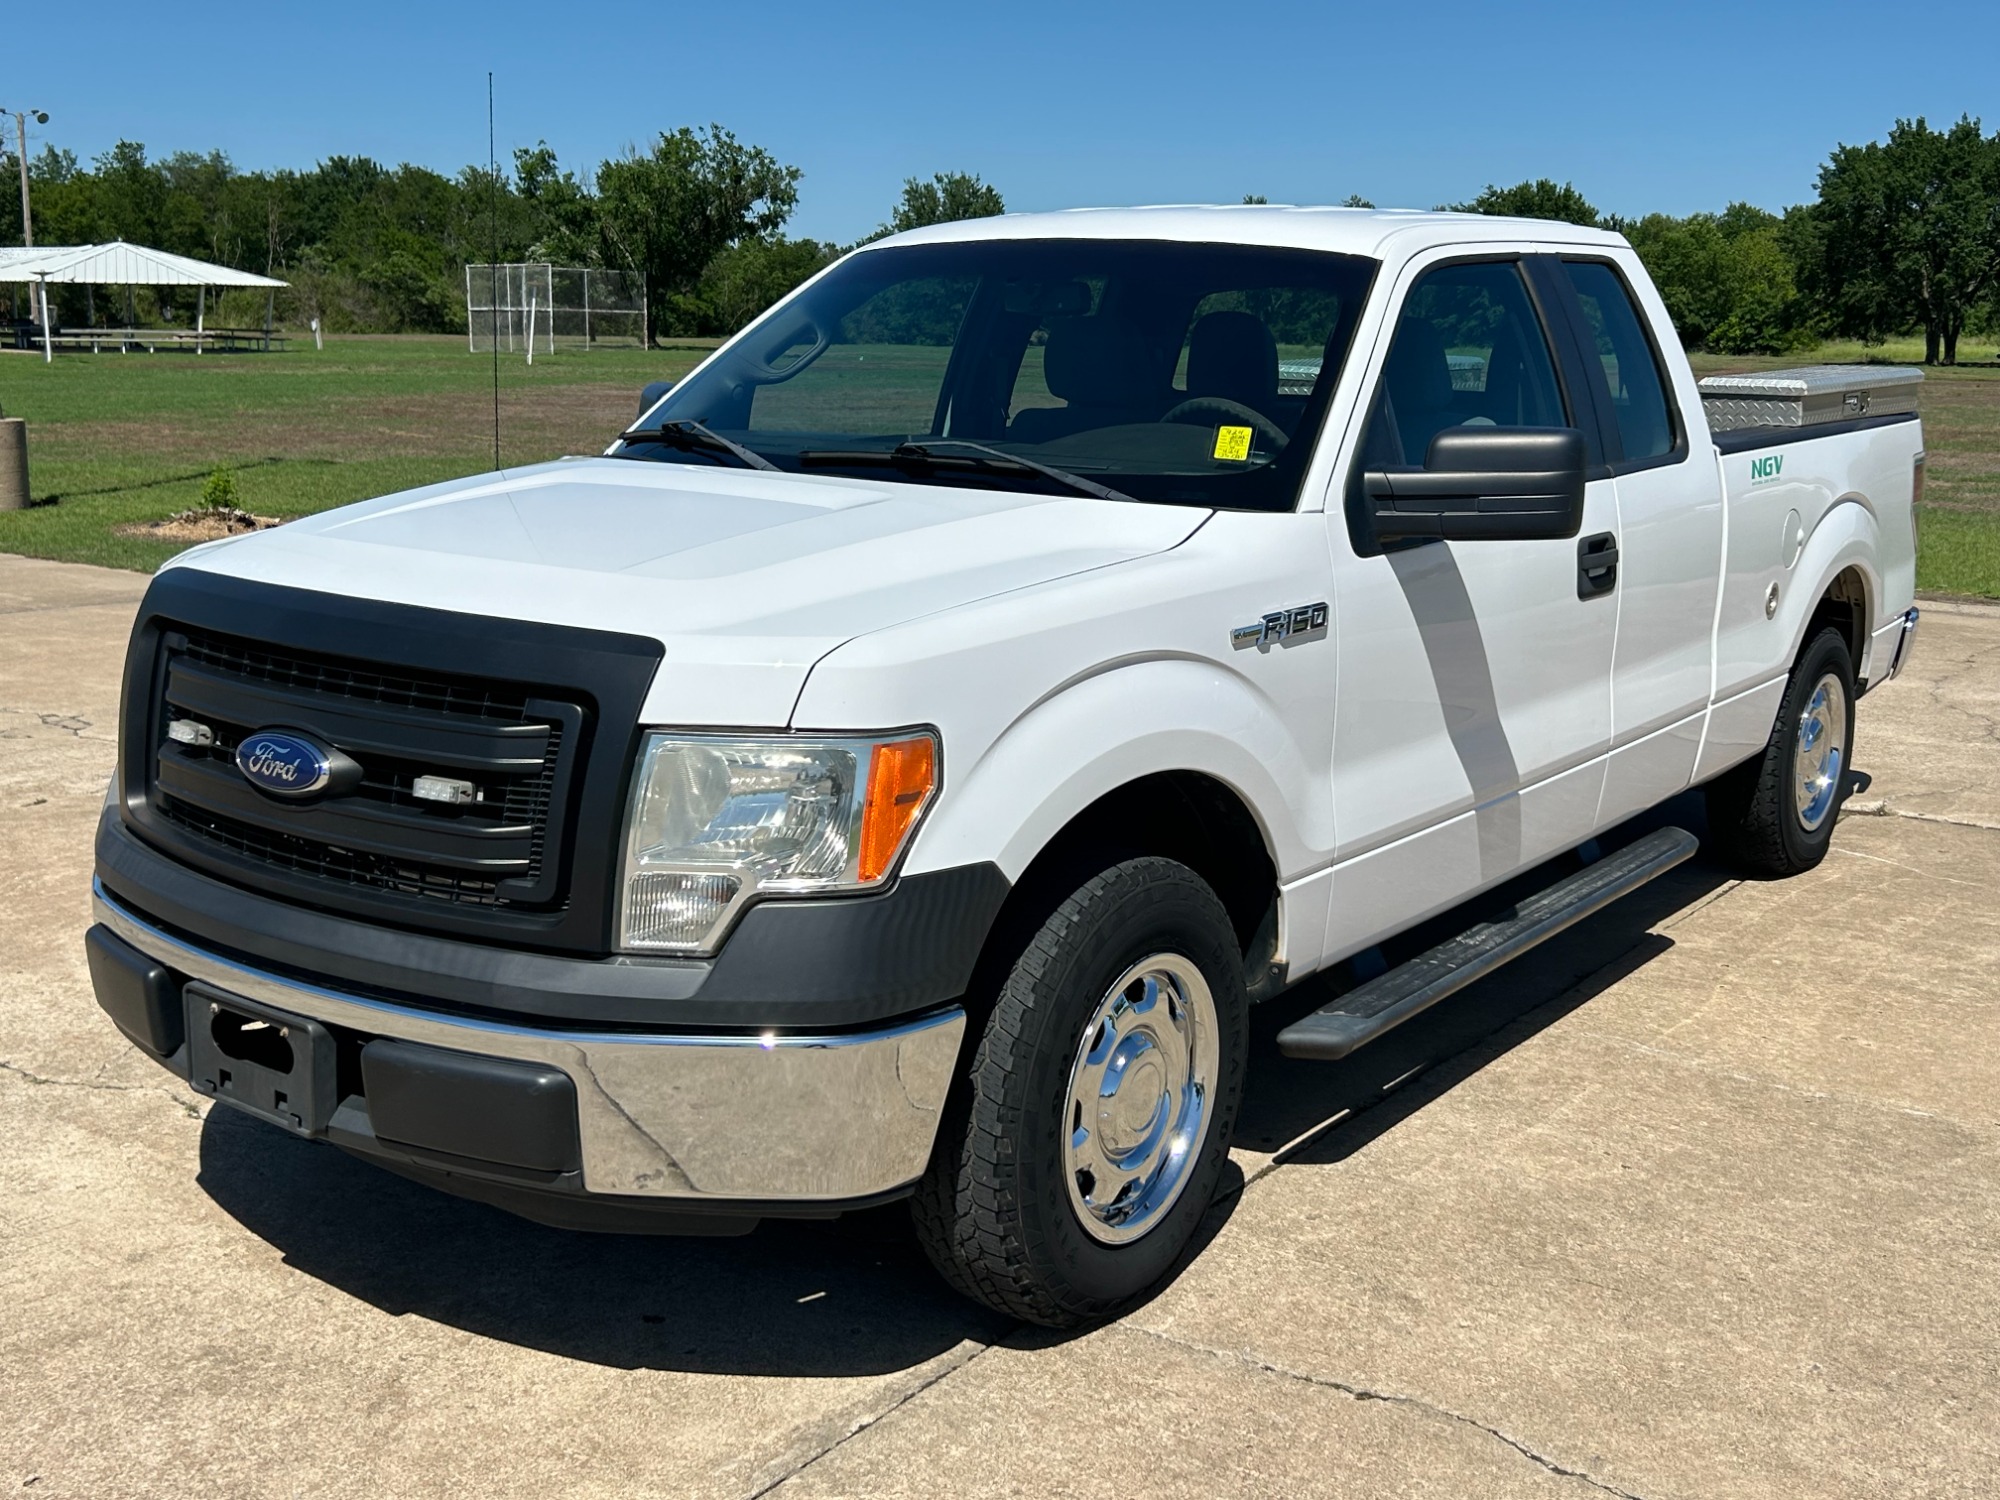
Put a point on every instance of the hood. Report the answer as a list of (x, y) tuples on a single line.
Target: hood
[(746, 578)]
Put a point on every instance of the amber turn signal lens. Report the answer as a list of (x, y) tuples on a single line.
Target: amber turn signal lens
[(901, 777)]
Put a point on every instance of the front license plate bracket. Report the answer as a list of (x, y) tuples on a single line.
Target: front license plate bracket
[(267, 1062)]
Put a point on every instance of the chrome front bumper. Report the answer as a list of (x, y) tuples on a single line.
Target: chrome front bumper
[(709, 1118)]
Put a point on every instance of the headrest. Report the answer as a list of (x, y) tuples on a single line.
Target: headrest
[(1048, 299), (1232, 354), (1094, 362), (1418, 374)]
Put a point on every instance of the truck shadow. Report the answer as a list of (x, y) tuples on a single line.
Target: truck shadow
[(1326, 1110), (856, 1296)]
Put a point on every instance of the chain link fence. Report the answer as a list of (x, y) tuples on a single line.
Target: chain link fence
[(533, 307)]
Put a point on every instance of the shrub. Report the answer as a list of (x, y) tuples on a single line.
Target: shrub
[(219, 492)]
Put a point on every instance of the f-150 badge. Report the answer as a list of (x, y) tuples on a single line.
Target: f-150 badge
[(1283, 625)]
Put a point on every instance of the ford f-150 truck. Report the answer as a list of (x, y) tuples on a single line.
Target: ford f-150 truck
[(896, 766)]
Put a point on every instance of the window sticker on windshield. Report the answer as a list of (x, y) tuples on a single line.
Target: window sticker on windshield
[(1233, 443)]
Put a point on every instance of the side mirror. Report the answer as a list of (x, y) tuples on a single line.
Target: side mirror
[(1483, 483), (651, 393)]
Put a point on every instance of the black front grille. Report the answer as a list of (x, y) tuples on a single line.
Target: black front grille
[(319, 861), (358, 681), (542, 718), (515, 746)]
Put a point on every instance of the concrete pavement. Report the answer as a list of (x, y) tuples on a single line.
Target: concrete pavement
[(1699, 1200)]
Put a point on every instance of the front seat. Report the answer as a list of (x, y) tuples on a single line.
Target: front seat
[(1232, 356), (1108, 377), (1417, 381)]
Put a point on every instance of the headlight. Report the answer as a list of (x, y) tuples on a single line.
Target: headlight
[(715, 821)]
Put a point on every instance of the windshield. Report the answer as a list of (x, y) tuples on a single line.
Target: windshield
[(1189, 374)]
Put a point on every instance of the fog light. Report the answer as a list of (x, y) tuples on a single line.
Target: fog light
[(442, 789), (675, 909)]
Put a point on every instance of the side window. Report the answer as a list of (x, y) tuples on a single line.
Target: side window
[(1631, 368), (1468, 351)]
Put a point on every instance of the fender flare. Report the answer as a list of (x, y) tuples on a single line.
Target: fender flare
[(1121, 722), (1847, 535)]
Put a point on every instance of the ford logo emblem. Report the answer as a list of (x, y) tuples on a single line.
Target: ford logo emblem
[(283, 763)]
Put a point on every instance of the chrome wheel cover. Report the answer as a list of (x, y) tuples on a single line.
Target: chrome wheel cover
[(1139, 1096), (1819, 757)]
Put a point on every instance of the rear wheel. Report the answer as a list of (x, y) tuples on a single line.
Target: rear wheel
[(1774, 815), (1079, 1158)]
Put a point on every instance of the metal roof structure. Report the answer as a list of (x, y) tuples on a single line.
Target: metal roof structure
[(118, 264)]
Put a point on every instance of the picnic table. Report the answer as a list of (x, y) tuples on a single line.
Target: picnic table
[(28, 335)]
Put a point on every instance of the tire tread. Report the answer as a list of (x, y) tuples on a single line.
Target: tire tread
[(1749, 805), (966, 1210)]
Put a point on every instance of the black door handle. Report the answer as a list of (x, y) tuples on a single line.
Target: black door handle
[(1596, 565)]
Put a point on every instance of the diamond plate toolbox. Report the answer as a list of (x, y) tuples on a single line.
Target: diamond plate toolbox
[(1808, 396)]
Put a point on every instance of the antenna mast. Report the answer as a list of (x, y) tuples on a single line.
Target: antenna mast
[(493, 271)]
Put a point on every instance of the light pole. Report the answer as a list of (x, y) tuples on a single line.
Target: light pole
[(21, 135)]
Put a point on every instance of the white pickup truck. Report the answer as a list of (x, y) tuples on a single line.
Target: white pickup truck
[(896, 766)]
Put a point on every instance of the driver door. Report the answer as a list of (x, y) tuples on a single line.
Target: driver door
[(1474, 705)]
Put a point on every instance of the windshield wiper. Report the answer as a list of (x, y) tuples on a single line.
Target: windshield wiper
[(919, 455), (690, 434)]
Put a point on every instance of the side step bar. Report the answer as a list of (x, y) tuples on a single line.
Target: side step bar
[(1388, 1000)]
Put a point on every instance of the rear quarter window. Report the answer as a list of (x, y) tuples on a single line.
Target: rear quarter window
[(1633, 383)]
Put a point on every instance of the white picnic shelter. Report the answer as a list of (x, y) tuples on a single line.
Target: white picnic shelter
[(122, 264)]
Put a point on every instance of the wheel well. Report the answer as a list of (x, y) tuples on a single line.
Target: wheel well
[(1179, 815), (1845, 607)]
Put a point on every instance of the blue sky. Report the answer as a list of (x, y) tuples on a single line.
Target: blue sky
[(1668, 107)]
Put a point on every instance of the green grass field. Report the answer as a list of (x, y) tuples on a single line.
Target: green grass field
[(121, 438), (115, 439), (1959, 522)]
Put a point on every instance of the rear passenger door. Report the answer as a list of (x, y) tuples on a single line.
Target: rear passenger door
[(1474, 700), (1669, 502)]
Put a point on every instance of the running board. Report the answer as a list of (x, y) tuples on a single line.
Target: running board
[(1409, 989)]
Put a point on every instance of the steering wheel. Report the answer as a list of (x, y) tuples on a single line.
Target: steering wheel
[(1195, 408)]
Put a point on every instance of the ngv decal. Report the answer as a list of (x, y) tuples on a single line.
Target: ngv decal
[(1764, 470), (284, 764)]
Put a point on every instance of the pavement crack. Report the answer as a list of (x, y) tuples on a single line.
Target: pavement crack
[(52, 609), (868, 1419), (87, 1083), (1882, 809), (1392, 1398), (1899, 865), (73, 725), (1987, 726)]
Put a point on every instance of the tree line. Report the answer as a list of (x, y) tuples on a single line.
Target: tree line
[(1903, 235), (698, 220)]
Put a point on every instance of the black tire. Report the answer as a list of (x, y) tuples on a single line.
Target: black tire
[(1753, 818), (994, 1211)]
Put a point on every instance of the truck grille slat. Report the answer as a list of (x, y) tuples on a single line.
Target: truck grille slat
[(513, 745), (357, 680)]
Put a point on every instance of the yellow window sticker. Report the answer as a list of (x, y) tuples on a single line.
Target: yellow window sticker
[(1233, 443)]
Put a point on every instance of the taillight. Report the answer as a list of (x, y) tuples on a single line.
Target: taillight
[(1916, 495)]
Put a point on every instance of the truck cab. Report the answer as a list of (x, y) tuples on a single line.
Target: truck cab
[(894, 768)]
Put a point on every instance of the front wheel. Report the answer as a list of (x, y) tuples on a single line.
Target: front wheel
[(1085, 1146), (1774, 815)]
